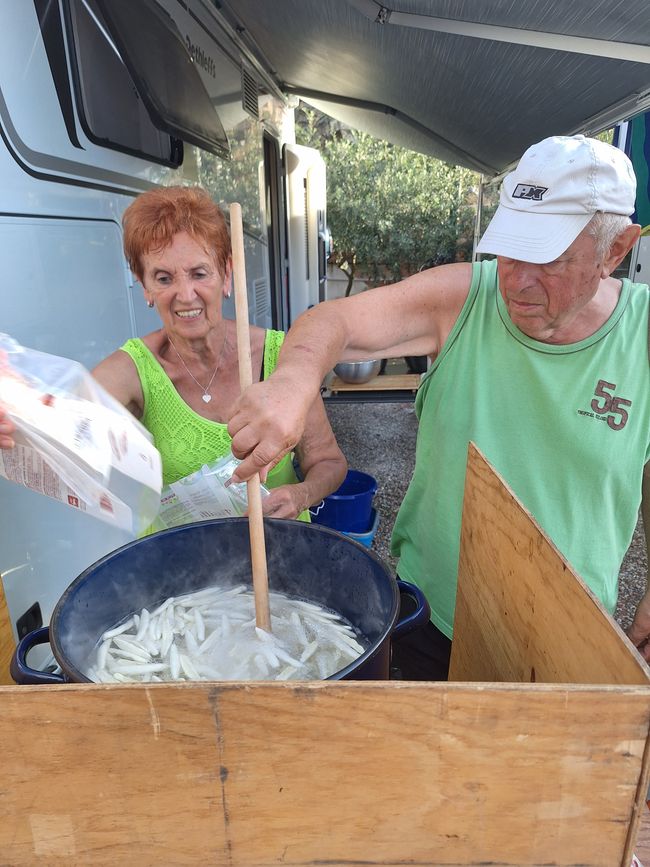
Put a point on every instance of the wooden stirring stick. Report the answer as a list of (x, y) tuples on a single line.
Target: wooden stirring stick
[(255, 517)]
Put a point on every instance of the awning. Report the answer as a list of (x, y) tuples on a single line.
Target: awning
[(470, 83)]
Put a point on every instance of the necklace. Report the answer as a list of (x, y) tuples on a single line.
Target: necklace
[(205, 397)]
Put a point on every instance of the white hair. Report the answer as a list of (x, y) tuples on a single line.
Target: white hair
[(605, 229)]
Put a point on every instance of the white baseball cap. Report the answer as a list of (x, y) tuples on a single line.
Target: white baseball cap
[(556, 189)]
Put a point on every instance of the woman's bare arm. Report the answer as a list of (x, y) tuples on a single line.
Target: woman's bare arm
[(118, 375)]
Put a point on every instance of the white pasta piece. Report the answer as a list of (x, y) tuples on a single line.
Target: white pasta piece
[(200, 625), (322, 667), (121, 678), (208, 671), (261, 664), (102, 654), (209, 642), (174, 662), (162, 607), (315, 609), (132, 657), (118, 630), (298, 627), (351, 642), (263, 635), (155, 629), (166, 642), (188, 668), (152, 646), (123, 643), (309, 651), (271, 658), (191, 644), (225, 626), (286, 673), (139, 668), (285, 657)]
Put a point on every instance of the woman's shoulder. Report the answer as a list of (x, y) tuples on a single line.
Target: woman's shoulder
[(154, 341)]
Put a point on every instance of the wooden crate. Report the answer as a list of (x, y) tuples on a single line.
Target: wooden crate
[(461, 773)]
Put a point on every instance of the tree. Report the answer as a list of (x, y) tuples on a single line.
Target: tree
[(390, 210)]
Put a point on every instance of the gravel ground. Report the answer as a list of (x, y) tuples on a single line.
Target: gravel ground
[(379, 438)]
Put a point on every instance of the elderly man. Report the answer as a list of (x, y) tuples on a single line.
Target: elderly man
[(539, 356)]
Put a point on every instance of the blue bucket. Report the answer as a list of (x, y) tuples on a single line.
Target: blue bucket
[(367, 537), (349, 508)]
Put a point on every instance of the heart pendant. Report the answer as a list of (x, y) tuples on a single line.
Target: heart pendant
[(206, 398)]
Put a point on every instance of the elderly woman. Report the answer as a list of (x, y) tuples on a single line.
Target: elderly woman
[(182, 380)]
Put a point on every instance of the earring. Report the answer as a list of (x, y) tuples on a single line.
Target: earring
[(149, 303), (228, 293)]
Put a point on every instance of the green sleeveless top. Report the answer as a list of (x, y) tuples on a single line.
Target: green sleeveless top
[(186, 441), (568, 427)]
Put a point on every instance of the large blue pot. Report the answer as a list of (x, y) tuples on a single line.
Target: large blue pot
[(305, 560)]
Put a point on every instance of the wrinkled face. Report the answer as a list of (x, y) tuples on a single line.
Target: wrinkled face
[(184, 282), (547, 301)]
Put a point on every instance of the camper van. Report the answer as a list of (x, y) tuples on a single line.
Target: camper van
[(99, 101)]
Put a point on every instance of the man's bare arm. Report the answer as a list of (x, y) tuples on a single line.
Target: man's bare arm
[(413, 317)]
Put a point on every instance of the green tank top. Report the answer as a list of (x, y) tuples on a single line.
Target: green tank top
[(186, 441), (568, 427)]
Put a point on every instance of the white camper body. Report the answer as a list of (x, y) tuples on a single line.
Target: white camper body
[(78, 143)]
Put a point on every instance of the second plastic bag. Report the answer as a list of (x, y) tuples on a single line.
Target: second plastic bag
[(203, 495)]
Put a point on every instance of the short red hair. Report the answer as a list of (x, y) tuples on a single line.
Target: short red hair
[(151, 221)]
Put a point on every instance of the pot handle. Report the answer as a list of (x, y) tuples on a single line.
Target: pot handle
[(421, 614), (19, 669)]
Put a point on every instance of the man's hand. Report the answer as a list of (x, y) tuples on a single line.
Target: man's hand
[(7, 428), (639, 631), (267, 422)]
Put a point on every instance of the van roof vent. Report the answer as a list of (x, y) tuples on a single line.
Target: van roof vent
[(249, 93)]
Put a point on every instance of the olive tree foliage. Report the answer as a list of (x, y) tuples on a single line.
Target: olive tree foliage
[(390, 210)]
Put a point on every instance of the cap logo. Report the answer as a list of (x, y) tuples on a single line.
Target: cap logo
[(528, 191)]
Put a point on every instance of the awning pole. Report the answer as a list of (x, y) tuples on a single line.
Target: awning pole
[(477, 219)]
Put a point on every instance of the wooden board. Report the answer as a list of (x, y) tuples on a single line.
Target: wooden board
[(7, 641), (400, 381), (303, 774), (642, 843), (522, 613)]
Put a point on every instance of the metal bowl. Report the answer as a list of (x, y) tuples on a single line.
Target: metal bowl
[(357, 371)]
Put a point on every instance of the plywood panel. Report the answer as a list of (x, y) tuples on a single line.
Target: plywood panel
[(347, 773), (7, 642), (522, 613)]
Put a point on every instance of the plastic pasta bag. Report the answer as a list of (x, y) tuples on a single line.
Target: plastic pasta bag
[(203, 495), (74, 442)]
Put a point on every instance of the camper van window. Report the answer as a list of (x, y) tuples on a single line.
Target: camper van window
[(146, 39), (111, 112)]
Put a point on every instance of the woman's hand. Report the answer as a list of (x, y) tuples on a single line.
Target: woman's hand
[(287, 501), (7, 428)]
